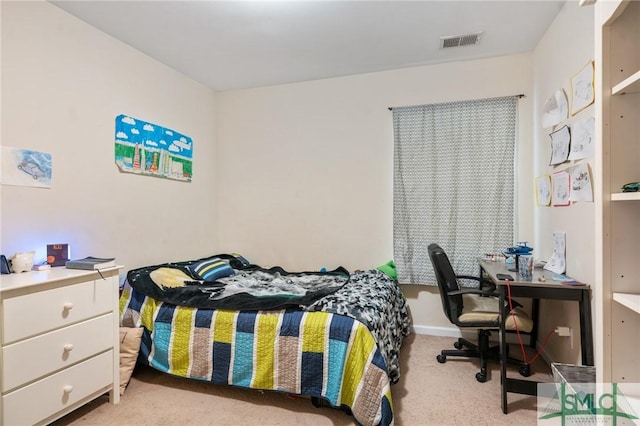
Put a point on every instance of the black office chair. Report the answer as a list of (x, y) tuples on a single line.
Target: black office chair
[(474, 308)]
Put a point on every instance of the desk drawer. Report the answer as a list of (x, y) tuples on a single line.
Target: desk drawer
[(30, 314), (37, 401), (53, 351)]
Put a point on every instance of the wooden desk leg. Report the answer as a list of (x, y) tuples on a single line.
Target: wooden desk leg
[(586, 328), (503, 352)]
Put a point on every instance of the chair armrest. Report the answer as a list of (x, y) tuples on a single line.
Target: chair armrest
[(468, 277), (480, 292), (477, 291), (484, 283)]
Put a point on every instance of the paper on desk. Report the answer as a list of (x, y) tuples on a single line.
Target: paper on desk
[(566, 280), (557, 262)]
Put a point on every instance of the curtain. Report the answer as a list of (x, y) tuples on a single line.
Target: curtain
[(453, 184)]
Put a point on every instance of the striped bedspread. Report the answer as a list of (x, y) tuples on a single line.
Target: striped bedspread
[(318, 354)]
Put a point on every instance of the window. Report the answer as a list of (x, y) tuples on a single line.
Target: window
[(453, 183)]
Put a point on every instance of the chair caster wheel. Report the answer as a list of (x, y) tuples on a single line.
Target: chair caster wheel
[(457, 345), (525, 371), (441, 359), (481, 377)]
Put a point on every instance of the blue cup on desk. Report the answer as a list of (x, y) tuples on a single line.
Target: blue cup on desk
[(525, 267)]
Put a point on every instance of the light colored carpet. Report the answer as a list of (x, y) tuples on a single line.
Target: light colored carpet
[(428, 393)]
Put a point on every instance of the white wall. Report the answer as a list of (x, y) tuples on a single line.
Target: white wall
[(306, 169), (566, 47), (302, 176), (63, 84)]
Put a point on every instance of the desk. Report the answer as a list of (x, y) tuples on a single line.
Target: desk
[(535, 289)]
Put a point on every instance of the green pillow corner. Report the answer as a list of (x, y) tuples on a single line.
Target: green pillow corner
[(389, 269)]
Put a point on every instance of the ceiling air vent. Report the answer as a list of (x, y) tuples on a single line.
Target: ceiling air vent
[(459, 40)]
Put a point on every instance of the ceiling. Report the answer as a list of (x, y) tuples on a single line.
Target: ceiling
[(238, 44)]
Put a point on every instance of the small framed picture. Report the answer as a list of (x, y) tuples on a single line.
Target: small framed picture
[(57, 254)]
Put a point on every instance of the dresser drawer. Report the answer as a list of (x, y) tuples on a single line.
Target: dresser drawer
[(37, 401), (53, 351), (30, 314)]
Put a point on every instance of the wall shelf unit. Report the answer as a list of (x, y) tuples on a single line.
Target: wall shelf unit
[(617, 162), (631, 301), (625, 196), (629, 85)]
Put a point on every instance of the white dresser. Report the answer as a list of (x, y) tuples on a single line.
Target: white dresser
[(60, 342)]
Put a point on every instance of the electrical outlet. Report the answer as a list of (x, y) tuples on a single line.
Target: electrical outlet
[(565, 332)]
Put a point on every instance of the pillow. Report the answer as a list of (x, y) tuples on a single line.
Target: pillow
[(130, 338), (211, 269), (243, 261), (389, 269), (169, 277)]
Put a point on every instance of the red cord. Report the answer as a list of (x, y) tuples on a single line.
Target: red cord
[(513, 316)]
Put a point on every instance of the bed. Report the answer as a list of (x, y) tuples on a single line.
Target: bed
[(333, 336)]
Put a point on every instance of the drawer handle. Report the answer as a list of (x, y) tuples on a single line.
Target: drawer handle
[(67, 389), (68, 347), (68, 306)]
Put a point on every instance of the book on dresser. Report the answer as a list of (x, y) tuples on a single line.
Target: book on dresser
[(91, 262)]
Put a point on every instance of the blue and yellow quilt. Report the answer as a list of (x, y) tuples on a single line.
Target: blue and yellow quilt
[(314, 352)]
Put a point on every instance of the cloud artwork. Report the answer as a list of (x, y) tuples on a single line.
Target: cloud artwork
[(142, 148)]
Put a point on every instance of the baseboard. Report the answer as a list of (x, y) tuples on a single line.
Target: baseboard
[(437, 331), (455, 332)]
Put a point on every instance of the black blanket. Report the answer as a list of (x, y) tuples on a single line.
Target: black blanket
[(250, 288)]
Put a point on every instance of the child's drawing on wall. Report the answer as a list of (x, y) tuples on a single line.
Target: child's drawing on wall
[(561, 188), (582, 89), (26, 167), (581, 183), (543, 190), (583, 139), (560, 140)]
